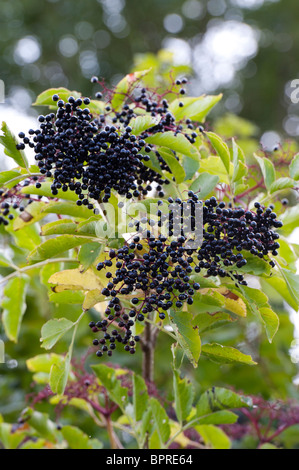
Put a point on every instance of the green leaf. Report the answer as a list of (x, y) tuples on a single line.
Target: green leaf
[(45, 98), (218, 417), (183, 396), (45, 190), (225, 354), (175, 167), (216, 399), (214, 166), (271, 322), (108, 378), (213, 437), (59, 374), (41, 423), (280, 184), (140, 397), (257, 302), (161, 421), (88, 254), (67, 297), (6, 176), (221, 148), (178, 143), (53, 330), (240, 168), (195, 109), (294, 167), (292, 281), (142, 123), (43, 362), (205, 321), (9, 142), (205, 183), (124, 87), (68, 208), (55, 246), (267, 169), (14, 306), (187, 335), (92, 298), (59, 227), (190, 166), (76, 438), (255, 265)]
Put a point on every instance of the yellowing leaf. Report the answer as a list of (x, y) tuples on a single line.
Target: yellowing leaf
[(92, 298), (75, 279)]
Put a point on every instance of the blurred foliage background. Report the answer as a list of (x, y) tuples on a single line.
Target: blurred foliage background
[(244, 48)]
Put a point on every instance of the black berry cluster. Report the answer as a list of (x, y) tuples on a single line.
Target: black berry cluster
[(94, 155), (230, 233), (155, 271), (157, 279)]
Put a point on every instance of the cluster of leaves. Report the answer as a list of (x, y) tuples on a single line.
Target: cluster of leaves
[(65, 249)]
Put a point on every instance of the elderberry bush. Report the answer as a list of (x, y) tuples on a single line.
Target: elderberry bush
[(157, 270)]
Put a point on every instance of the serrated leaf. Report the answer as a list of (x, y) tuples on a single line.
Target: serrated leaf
[(9, 143), (45, 190), (174, 165), (188, 336), (88, 254), (221, 148), (216, 399), (140, 397), (213, 437), (59, 227), (53, 330), (195, 109), (67, 297), (43, 362), (14, 306), (215, 166), (225, 354), (271, 321), (59, 375), (142, 123), (54, 247), (45, 98), (74, 277), (267, 169), (183, 396), (280, 184), (76, 438), (240, 168), (190, 166), (6, 176), (161, 421), (92, 298), (178, 143), (204, 184)]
